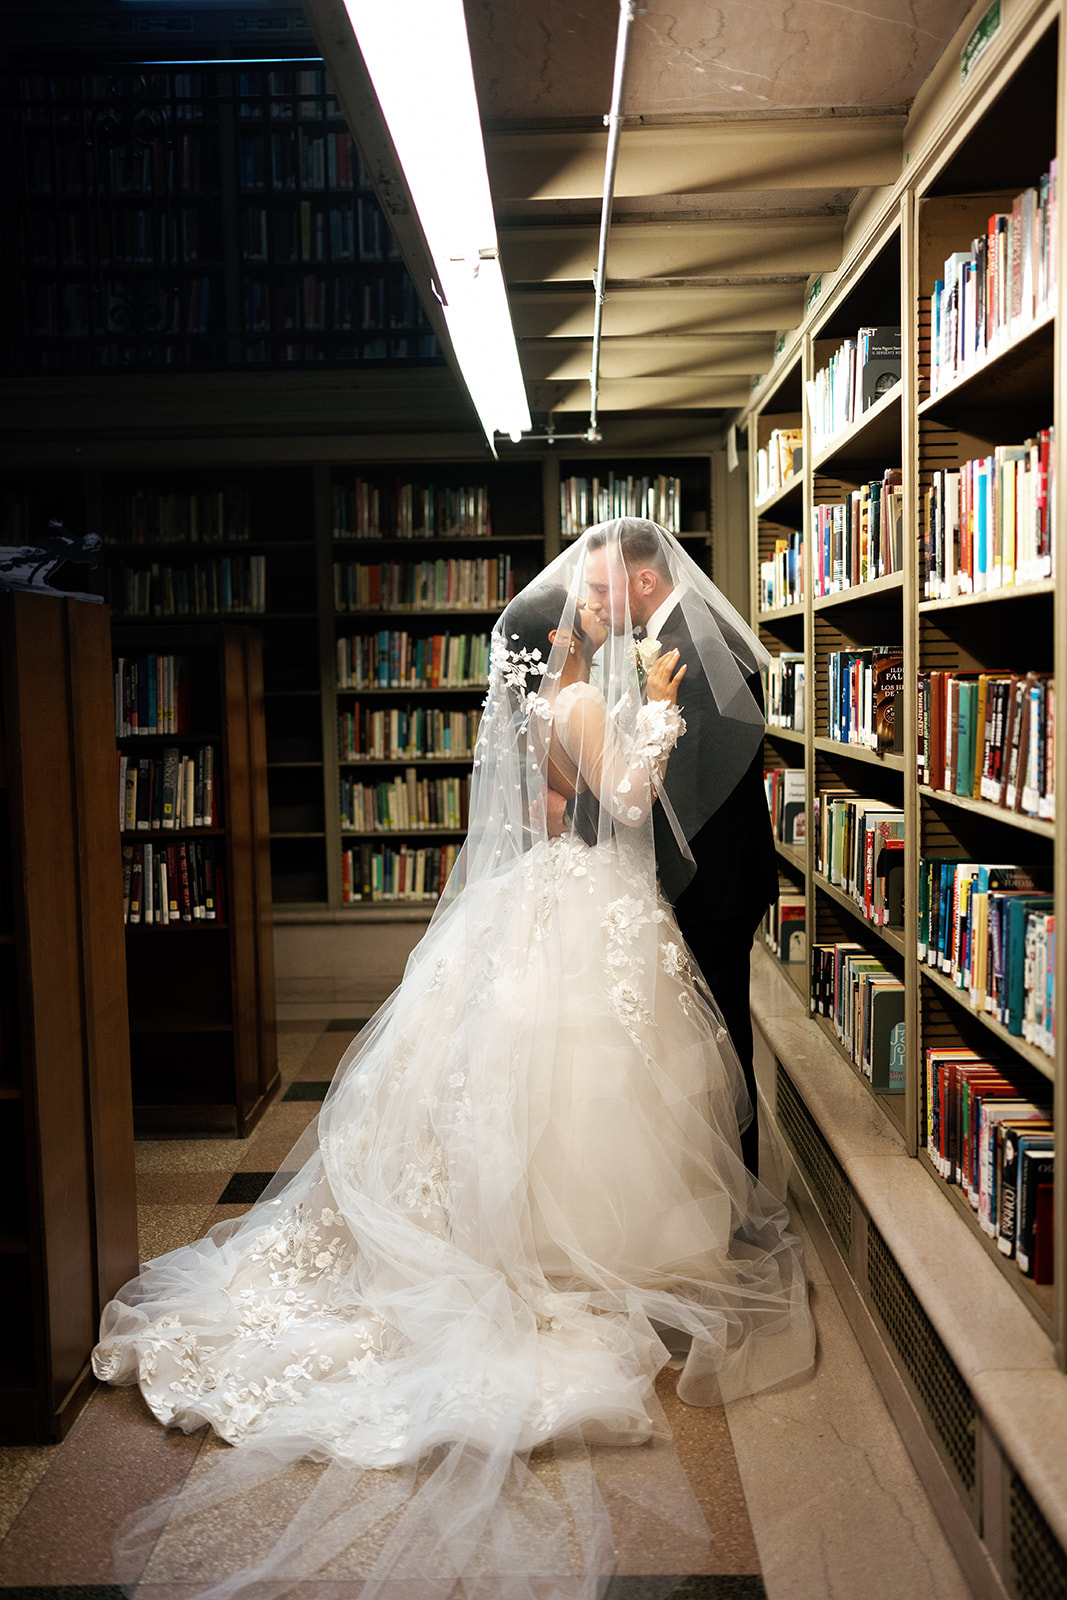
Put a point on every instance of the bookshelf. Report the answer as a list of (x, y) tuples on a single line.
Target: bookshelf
[(199, 943), (69, 1234), (971, 596), (197, 217), (293, 508), (851, 603)]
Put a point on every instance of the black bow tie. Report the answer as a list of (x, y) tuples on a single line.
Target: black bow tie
[(639, 632)]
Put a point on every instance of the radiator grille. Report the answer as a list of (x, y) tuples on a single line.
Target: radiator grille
[(825, 1176), (1038, 1563), (935, 1381)]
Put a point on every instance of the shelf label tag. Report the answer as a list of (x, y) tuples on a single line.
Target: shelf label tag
[(979, 40), (814, 292)]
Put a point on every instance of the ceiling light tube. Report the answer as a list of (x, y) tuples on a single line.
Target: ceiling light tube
[(418, 58)]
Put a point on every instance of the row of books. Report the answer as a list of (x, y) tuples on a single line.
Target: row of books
[(130, 236), (340, 303), (77, 308), (990, 524), (861, 538), (781, 575), (151, 696), (403, 804), (364, 510), (990, 736), (175, 789), (783, 690), (400, 873), (992, 1136), (865, 692), (374, 350), (994, 290), (990, 929), (174, 516), (406, 733), (584, 501), (784, 787), (859, 848), (179, 882), (778, 460), (400, 660), (287, 234), (484, 583), (275, 91), (785, 927), (231, 585), (292, 158), (70, 168), (859, 372), (864, 1001)]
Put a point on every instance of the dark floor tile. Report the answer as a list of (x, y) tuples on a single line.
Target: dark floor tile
[(346, 1024), (244, 1187), (64, 1591), (712, 1586), (307, 1089)]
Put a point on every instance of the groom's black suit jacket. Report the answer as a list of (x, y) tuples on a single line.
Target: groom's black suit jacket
[(736, 875)]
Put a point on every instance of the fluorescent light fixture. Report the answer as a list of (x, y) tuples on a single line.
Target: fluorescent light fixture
[(419, 61)]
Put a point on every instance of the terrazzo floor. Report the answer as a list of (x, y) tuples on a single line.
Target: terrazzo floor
[(808, 1490)]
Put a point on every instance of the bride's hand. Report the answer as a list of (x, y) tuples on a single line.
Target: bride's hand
[(664, 676)]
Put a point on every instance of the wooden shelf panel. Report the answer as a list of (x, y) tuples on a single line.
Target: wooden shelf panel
[(875, 437), (861, 593), (892, 936), (1037, 1297), (1026, 1052), (984, 808), (855, 752)]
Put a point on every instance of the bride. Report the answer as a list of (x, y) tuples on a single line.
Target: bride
[(524, 1191)]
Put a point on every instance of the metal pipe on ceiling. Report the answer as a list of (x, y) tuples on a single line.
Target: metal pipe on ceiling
[(613, 122)]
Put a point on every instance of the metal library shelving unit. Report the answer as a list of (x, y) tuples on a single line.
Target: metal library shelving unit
[(973, 426)]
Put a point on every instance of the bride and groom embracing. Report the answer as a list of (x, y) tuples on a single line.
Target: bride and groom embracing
[(525, 1188)]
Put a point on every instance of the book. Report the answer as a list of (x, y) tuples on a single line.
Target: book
[(879, 363)]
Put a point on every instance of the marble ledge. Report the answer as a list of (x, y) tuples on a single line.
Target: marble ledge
[(975, 1311), (1027, 1412)]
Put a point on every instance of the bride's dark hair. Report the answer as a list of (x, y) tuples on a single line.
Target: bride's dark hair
[(526, 624)]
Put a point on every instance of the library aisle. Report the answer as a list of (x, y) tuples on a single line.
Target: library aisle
[(808, 1489)]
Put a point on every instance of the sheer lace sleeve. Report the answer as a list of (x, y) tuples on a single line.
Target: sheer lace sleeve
[(624, 774)]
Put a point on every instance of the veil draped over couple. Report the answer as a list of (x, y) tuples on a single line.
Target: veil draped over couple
[(524, 1194)]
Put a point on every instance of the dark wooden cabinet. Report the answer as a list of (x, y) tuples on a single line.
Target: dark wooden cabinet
[(68, 1216)]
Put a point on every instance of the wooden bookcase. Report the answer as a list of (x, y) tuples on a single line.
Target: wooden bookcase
[(202, 1021), (1001, 400), (194, 216), (69, 1234), (287, 517), (990, 136)]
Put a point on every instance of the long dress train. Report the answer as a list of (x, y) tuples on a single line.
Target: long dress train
[(524, 1180)]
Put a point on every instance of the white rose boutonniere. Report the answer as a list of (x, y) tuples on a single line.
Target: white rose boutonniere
[(647, 651)]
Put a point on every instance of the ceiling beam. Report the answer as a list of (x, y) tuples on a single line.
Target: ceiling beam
[(728, 308), (699, 158), (641, 394), (674, 249), (649, 358)]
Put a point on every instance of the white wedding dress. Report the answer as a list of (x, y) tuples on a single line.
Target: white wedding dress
[(524, 1185)]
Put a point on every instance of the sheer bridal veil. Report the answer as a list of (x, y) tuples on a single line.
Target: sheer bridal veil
[(435, 1337)]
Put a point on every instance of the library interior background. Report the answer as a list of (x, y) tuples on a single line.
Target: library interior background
[(238, 452)]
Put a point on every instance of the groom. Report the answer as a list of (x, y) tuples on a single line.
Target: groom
[(736, 879)]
